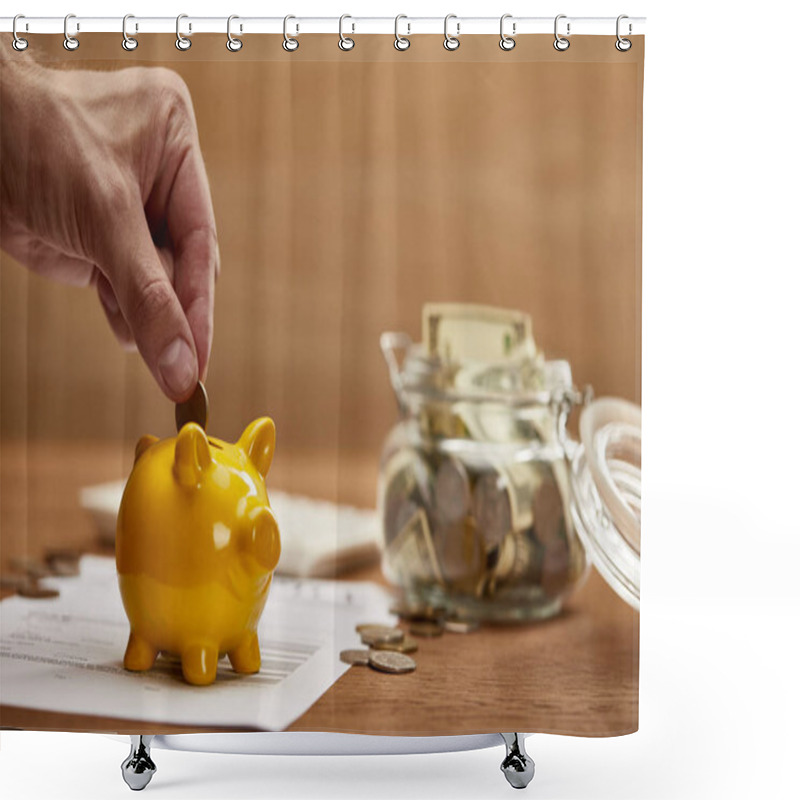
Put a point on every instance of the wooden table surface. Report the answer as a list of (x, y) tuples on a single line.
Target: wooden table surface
[(575, 674)]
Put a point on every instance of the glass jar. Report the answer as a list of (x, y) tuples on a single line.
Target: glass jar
[(474, 491)]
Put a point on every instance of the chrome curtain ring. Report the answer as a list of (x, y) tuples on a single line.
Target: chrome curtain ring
[(233, 44), (70, 42), (623, 45), (507, 42), (451, 42), (560, 43), (18, 43), (345, 42), (181, 42), (128, 42), (401, 42), (290, 43)]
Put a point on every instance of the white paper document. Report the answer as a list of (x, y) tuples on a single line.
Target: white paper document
[(65, 654)]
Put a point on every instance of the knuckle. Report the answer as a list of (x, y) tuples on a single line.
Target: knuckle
[(153, 301)]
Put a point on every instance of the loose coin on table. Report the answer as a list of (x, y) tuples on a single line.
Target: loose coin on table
[(358, 658), (406, 645), (379, 634), (38, 592), (395, 663), (426, 628), (195, 409)]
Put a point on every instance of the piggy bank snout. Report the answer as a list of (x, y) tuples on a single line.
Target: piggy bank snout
[(263, 541)]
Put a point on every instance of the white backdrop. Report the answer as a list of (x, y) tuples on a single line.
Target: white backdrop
[(720, 601)]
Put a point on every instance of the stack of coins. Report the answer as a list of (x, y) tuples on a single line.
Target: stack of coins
[(27, 572), (390, 647)]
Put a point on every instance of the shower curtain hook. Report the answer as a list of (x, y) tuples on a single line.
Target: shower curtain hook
[(128, 42), (507, 42), (233, 44), (345, 42), (70, 42), (623, 45), (290, 43), (18, 43), (560, 44), (451, 42), (401, 42), (182, 43)]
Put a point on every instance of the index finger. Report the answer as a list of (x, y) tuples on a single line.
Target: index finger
[(193, 231)]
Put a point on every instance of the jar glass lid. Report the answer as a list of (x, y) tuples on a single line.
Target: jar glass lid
[(607, 482)]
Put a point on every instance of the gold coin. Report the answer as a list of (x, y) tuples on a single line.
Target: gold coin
[(381, 635), (395, 663), (407, 645), (36, 591), (358, 658), (424, 627), (195, 409)]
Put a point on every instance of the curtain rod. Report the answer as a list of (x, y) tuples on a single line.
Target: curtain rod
[(406, 26)]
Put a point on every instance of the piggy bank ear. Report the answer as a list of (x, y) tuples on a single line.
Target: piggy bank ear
[(143, 444), (192, 455), (258, 441)]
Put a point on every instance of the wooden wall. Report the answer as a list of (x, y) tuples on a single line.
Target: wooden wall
[(349, 189)]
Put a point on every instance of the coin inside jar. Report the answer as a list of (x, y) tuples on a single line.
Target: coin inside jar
[(195, 409), (395, 663), (451, 491)]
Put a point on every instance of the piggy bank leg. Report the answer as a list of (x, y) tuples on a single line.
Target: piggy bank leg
[(246, 656), (138, 768), (199, 664), (140, 655)]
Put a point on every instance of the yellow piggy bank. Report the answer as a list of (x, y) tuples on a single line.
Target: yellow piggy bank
[(197, 545)]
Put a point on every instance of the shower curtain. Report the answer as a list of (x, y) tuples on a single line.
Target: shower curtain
[(351, 189)]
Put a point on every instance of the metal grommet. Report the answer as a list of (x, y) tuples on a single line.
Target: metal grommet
[(233, 44), (128, 42), (290, 43), (70, 42), (560, 44), (401, 42), (346, 43), (623, 45), (182, 43), (451, 42), (18, 43), (507, 42)]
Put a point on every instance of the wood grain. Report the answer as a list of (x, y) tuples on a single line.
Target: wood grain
[(576, 674), (349, 189)]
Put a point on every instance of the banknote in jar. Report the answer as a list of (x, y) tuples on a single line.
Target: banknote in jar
[(411, 558), (408, 488), (462, 331)]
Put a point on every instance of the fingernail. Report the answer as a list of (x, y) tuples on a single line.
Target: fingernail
[(177, 367)]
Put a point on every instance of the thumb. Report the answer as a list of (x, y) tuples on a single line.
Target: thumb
[(151, 308)]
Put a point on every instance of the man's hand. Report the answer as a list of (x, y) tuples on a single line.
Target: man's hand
[(103, 184)]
